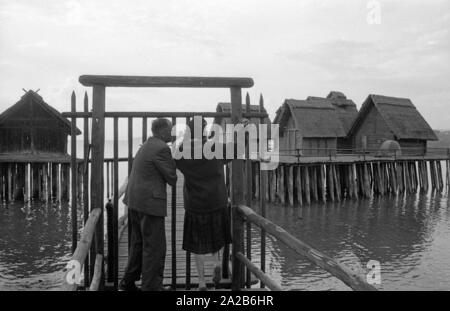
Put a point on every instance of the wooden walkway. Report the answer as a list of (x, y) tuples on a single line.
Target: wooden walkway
[(180, 254)]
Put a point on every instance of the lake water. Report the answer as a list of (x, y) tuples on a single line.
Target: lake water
[(408, 235)]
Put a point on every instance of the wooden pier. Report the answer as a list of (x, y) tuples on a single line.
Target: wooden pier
[(301, 181), (297, 181)]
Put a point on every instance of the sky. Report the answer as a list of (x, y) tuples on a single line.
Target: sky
[(291, 48)]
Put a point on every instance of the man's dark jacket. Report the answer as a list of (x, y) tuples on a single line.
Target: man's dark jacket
[(153, 167)]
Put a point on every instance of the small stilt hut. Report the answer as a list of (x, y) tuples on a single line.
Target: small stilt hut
[(309, 127), (34, 164), (226, 107), (383, 118)]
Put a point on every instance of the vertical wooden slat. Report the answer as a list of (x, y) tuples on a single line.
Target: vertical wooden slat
[(248, 170), (54, 180), (299, 185), (59, 182), (20, 182), (10, 182), (130, 144), (237, 185), (97, 182), (130, 165), (144, 129), (45, 183), (174, 217), (447, 174), (399, 177), (306, 183), (116, 204), (262, 196), (273, 185), (322, 182), (432, 175), (109, 208), (290, 184), (108, 167), (2, 184), (337, 184), (86, 179), (394, 178), (439, 175), (420, 173), (73, 167), (330, 183), (354, 180), (26, 190), (65, 181), (281, 185), (188, 258), (314, 183)]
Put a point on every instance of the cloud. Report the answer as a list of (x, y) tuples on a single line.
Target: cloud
[(291, 49)]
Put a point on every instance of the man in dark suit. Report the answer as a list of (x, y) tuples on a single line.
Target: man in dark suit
[(146, 197)]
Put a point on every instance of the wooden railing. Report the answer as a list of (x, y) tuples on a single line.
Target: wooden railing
[(94, 158), (73, 271), (351, 279), (334, 153)]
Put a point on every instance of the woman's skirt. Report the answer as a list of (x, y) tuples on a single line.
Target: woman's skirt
[(206, 233)]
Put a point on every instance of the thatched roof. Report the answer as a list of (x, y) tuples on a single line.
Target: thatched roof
[(314, 117), (226, 107), (400, 115), (35, 99), (345, 108)]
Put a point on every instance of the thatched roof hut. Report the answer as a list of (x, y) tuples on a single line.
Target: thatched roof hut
[(390, 118), (314, 118), (345, 108), (31, 126), (312, 124), (226, 107)]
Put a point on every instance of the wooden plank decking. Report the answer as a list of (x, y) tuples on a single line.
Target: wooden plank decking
[(180, 254)]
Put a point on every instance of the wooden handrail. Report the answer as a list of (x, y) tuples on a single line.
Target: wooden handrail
[(330, 265), (153, 114), (79, 256), (271, 284), (159, 81), (96, 278)]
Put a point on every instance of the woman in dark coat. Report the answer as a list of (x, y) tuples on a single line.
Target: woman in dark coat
[(207, 220)]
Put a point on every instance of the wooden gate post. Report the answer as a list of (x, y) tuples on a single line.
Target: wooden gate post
[(237, 197), (98, 142), (73, 173)]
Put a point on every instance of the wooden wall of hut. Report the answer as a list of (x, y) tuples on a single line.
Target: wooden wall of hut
[(44, 182), (301, 184)]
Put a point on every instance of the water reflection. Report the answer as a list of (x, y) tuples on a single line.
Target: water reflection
[(408, 235)]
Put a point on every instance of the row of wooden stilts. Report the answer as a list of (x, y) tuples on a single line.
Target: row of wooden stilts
[(45, 182), (305, 183)]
